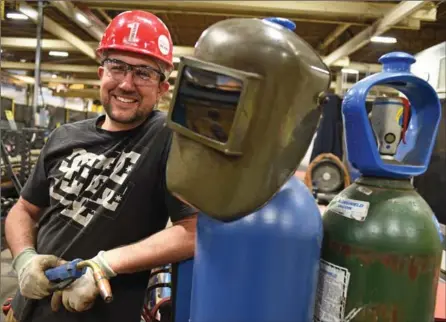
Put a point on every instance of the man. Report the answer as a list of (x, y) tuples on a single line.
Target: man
[(98, 189)]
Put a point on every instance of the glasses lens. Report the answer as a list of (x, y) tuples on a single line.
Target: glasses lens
[(116, 69), (141, 75), (144, 75)]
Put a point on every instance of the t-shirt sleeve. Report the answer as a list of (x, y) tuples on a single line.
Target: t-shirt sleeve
[(36, 188), (175, 208)]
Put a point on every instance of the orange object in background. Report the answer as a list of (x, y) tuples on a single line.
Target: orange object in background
[(440, 308)]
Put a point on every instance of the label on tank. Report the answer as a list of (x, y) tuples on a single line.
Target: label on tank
[(350, 208), (331, 293), (364, 190)]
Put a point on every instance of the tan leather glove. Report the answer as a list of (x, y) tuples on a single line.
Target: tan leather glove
[(78, 296), (30, 268), (81, 294)]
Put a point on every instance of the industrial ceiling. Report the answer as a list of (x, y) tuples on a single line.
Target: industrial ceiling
[(340, 31)]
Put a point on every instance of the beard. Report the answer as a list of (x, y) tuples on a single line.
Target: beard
[(137, 116), (124, 115)]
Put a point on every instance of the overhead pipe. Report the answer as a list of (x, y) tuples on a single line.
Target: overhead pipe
[(401, 11), (38, 59)]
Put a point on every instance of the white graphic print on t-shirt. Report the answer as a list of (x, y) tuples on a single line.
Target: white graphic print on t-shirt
[(90, 182)]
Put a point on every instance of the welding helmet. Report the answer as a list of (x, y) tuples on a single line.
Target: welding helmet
[(244, 111), (139, 32)]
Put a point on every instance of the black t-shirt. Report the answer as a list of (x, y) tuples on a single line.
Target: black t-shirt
[(100, 190)]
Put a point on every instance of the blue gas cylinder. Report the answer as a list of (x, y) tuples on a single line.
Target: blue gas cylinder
[(262, 267)]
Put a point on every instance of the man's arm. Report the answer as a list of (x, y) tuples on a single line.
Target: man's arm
[(21, 221), (20, 229), (170, 245), (20, 226)]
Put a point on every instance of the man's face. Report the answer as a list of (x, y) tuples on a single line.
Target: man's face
[(126, 101)]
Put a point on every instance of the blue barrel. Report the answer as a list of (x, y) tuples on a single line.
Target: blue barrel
[(183, 291), (260, 268)]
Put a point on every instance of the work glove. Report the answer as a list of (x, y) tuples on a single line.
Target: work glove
[(81, 294), (30, 268)]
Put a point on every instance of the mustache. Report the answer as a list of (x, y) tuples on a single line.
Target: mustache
[(128, 94)]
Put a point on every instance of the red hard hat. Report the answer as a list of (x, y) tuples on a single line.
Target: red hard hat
[(140, 32)]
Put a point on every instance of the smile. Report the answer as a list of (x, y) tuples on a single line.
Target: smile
[(125, 100)]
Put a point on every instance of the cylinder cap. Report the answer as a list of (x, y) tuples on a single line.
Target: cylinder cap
[(397, 62), (283, 22)]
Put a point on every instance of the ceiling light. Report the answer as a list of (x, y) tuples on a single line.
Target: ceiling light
[(349, 71), (58, 53), (29, 12), (16, 16), (384, 40), (54, 76), (23, 60), (80, 17)]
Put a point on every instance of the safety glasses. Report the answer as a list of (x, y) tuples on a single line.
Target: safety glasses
[(142, 75)]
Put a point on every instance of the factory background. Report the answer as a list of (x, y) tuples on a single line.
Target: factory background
[(49, 72)]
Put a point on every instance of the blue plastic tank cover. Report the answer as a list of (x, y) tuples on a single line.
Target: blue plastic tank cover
[(283, 22)]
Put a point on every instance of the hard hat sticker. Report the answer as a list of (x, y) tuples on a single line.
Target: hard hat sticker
[(163, 44), (353, 209), (133, 32)]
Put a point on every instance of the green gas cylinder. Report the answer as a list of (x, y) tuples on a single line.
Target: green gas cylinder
[(382, 247), (381, 240)]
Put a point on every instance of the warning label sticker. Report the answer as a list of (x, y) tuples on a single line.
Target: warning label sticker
[(364, 190), (331, 293), (350, 208)]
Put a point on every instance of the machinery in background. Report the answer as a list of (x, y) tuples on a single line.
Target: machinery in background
[(330, 130), (20, 149), (328, 171), (326, 176), (382, 243), (158, 302)]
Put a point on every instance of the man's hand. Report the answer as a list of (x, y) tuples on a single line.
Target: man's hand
[(31, 269), (79, 296)]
